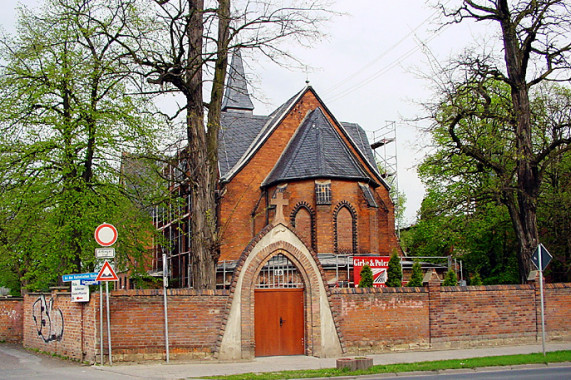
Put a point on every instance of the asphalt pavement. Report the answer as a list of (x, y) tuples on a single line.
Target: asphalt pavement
[(199, 369), (17, 363)]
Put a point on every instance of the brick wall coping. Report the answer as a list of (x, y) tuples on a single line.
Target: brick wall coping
[(11, 298), (483, 288), (170, 292), (402, 289), (486, 288), (559, 285), (492, 288), (148, 292), (47, 292)]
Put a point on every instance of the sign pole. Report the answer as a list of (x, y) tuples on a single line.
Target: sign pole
[(165, 280), (542, 304), (105, 235), (108, 322), (101, 320)]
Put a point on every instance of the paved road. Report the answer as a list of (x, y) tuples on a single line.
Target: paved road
[(17, 363), (553, 372)]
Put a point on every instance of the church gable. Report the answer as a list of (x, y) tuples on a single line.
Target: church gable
[(344, 151), (316, 151)]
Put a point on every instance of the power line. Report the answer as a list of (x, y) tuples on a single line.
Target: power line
[(336, 95)]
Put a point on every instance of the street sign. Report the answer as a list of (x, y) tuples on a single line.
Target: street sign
[(107, 273), (79, 276), (545, 257), (106, 235), (105, 253), (89, 282), (79, 292)]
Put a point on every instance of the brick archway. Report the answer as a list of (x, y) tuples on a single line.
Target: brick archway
[(321, 331)]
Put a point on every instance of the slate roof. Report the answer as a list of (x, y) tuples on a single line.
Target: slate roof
[(316, 151), (237, 132), (360, 139), (236, 95)]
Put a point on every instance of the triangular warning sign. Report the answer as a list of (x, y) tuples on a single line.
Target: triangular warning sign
[(107, 273)]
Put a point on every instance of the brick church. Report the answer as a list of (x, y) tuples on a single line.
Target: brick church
[(300, 195)]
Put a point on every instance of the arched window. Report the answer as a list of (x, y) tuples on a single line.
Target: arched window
[(345, 221), (302, 219)]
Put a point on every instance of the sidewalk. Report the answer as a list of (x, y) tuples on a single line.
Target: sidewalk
[(179, 370)]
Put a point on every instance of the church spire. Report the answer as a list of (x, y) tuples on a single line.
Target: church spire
[(236, 96)]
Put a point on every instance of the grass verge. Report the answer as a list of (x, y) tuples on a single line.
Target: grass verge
[(489, 361)]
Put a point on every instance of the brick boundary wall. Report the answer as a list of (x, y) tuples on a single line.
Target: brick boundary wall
[(54, 324), (476, 315), (71, 329), (369, 320), (11, 317), (383, 319), (557, 311), (137, 323)]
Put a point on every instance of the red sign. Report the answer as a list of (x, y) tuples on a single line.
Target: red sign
[(106, 235), (378, 265), (107, 273)]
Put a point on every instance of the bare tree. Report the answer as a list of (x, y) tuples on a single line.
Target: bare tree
[(184, 43), (536, 42)]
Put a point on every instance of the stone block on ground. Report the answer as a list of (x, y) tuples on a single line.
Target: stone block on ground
[(349, 363)]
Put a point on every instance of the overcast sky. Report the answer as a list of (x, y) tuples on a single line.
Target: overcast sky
[(366, 71)]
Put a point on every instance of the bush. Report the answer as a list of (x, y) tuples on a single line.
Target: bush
[(394, 272), (450, 279), (476, 280), (416, 276), (366, 277)]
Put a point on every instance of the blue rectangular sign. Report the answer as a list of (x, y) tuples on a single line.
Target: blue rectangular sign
[(80, 276), (89, 282)]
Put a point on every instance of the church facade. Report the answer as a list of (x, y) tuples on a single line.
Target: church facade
[(300, 195)]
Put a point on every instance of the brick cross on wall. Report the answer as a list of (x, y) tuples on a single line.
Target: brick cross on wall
[(279, 202)]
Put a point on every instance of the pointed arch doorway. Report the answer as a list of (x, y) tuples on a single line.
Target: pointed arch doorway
[(279, 312), (320, 334)]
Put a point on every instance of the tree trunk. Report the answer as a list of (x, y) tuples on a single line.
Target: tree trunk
[(201, 171), (523, 209), (526, 233)]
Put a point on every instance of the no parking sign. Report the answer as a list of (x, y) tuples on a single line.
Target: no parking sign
[(106, 235)]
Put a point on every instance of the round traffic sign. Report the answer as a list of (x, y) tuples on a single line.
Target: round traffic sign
[(106, 234)]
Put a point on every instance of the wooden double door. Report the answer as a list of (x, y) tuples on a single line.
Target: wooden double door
[(279, 321)]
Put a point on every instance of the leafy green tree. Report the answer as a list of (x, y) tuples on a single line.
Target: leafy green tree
[(436, 233), (394, 272), (366, 277), (486, 112), (464, 213), (416, 276), (450, 279), (66, 119), (554, 218)]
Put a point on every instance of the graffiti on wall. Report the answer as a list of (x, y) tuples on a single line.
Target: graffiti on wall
[(48, 320)]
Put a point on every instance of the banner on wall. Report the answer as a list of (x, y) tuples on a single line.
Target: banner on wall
[(379, 266)]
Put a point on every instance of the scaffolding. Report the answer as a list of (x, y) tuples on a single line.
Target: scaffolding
[(384, 145)]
